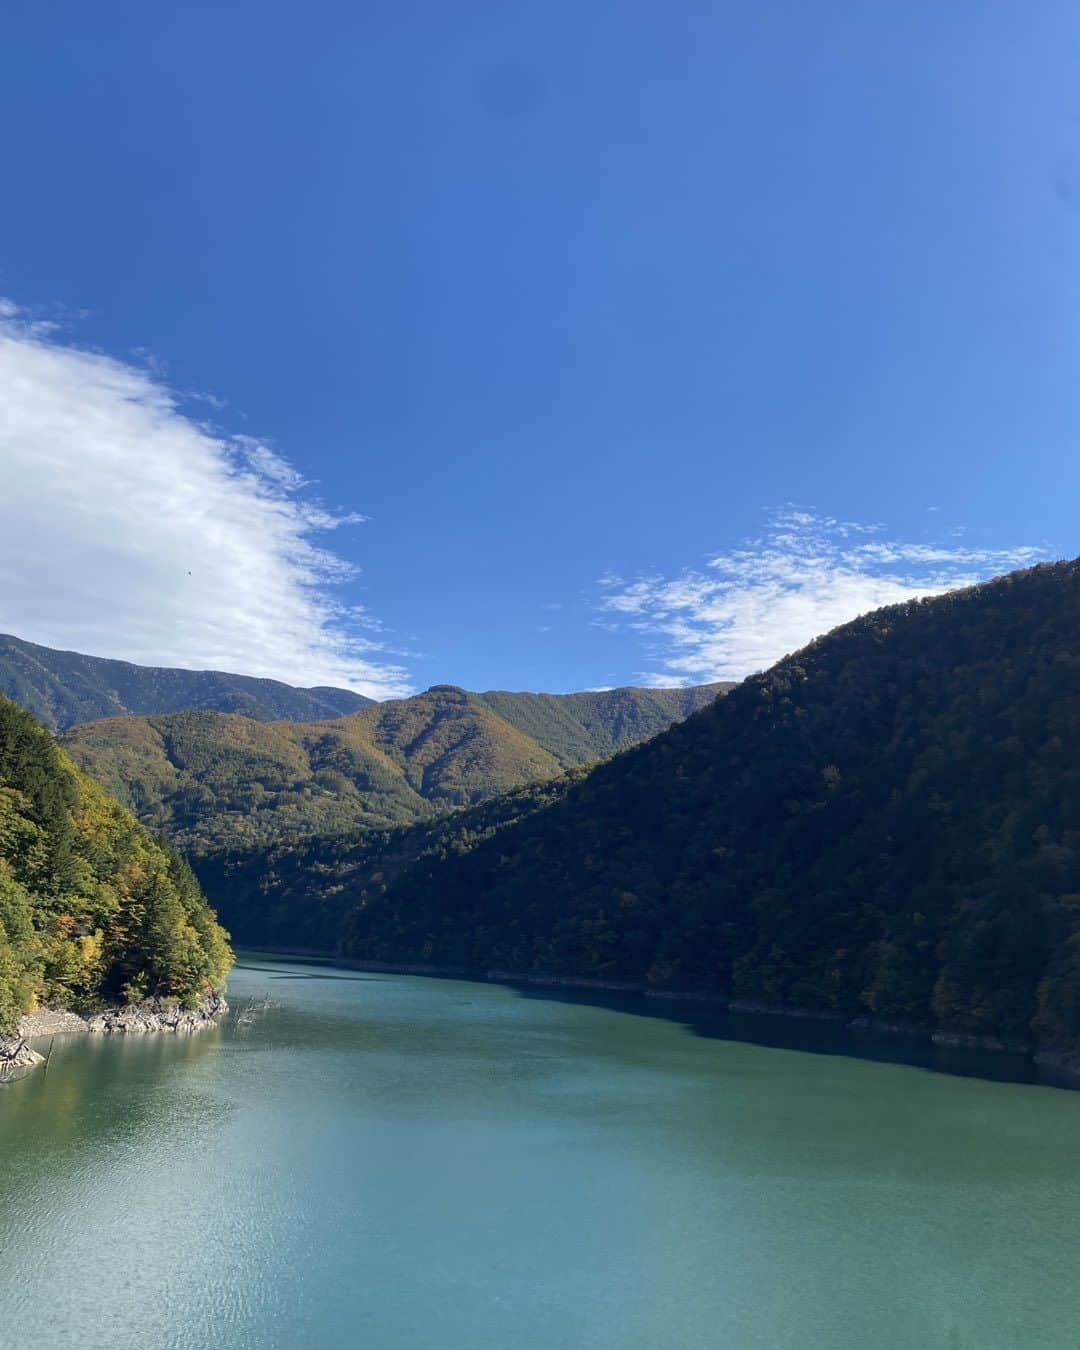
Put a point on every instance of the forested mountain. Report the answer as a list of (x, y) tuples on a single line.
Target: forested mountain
[(90, 905), (215, 781), (886, 823), (301, 894), (63, 689), (584, 728)]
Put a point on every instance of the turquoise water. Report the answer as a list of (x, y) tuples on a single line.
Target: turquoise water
[(390, 1162)]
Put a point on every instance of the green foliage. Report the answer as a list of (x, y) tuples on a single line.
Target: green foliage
[(886, 823), (584, 728), (63, 689), (216, 782), (299, 895), (90, 905)]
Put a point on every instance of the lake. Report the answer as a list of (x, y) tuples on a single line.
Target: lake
[(410, 1164)]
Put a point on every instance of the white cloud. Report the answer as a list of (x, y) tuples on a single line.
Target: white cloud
[(129, 529), (808, 573)]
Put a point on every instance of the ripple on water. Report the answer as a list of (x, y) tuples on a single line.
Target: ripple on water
[(397, 1162)]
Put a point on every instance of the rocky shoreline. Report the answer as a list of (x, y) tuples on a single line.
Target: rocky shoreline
[(155, 1015)]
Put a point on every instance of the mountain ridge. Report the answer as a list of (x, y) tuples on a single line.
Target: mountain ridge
[(885, 825), (215, 780), (64, 689)]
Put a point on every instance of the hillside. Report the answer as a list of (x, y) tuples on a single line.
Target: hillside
[(301, 894), (90, 905), (63, 689), (212, 781), (886, 823), (584, 728)]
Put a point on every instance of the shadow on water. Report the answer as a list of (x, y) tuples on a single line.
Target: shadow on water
[(809, 1035), (275, 973), (713, 1021)]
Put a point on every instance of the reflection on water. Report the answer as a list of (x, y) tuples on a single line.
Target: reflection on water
[(399, 1162)]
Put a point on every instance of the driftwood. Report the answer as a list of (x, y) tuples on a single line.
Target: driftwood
[(247, 1014), (16, 1059)]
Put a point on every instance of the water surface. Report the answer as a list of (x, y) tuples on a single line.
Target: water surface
[(400, 1163)]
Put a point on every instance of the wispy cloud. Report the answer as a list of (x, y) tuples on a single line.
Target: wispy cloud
[(806, 574), (130, 529)]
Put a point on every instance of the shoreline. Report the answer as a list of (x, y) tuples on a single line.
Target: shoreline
[(1061, 1064), (132, 1019), (156, 1016)]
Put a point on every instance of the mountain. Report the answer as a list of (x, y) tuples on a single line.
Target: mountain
[(886, 824), (63, 689), (213, 780), (584, 728), (90, 905), (300, 894)]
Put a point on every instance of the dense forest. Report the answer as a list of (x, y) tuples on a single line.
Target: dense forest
[(217, 782), (63, 689), (886, 823), (300, 895), (91, 907)]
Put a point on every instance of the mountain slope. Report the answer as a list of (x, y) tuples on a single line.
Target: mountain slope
[(90, 905), (886, 823), (583, 728), (63, 689), (300, 894), (213, 781)]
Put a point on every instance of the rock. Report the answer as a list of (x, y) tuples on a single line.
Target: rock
[(746, 1005), (885, 1026), (1063, 1063), (157, 1015), (16, 1054), (689, 995), (154, 1015), (969, 1040), (50, 1022)]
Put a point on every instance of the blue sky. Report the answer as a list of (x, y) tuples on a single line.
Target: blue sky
[(621, 324)]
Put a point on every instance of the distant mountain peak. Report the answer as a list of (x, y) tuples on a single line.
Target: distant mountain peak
[(217, 780), (63, 689)]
